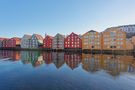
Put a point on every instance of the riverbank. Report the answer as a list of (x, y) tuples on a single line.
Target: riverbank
[(73, 50)]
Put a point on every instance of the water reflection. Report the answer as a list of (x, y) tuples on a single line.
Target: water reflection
[(14, 56), (58, 59), (111, 64)]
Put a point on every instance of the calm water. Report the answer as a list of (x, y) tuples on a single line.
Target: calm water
[(65, 71)]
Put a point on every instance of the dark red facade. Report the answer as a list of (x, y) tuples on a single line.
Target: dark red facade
[(47, 42), (5, 43), (14, 42), (73, 41)]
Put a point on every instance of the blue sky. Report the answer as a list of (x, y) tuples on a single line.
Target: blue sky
[(18, 17)]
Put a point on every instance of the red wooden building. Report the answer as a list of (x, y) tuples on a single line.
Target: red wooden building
[(1, 40), (14, 42), (73, 41), (47, 42), (5, 43)]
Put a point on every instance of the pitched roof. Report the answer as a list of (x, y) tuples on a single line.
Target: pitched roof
[(73, 33), (48, 36), (27, 36), (60, 35), (16, 38), (1, 39), (5, 39), (89, 32), (39, 37), (113, 28), (92, 31)]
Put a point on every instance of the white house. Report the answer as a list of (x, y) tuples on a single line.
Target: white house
[(35, 41), (58, 41), (25, 41)]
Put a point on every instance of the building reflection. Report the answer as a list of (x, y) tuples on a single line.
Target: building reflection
[(33, 57), (58, 59), (91, 63), (47, 57), (115, 65), (73, 59), (111, 64), (25, 57), (11, 55)]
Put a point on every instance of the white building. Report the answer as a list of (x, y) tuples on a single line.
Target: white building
[(35, 41), (58, 41), (25, 41), (128, 28)]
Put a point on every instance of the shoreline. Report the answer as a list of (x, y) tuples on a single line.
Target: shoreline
[(74, 50)]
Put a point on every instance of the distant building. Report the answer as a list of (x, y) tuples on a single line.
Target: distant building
[(5, 43), (1, 39), (47, 42), (35, 41), (114, 39), (25, 41), (91, 40), (129, 29), (58, 41), (73, 41), (14, 42)]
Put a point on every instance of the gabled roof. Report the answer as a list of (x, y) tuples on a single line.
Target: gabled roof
[(92, 31), (5, 39), (1, 39), (58, 34), (16, 38), (39, 37), (112, 29), (48, 36), (27, 36), (89, 32), (73, 33)]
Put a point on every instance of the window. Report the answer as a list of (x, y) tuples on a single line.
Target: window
[(112, 34), (112, 46)]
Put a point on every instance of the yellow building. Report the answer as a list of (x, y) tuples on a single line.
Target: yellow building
[(114, 39), (129, 44), (133, 40), (91, 40)]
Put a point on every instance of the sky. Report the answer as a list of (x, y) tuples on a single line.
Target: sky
[(19, 17)]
